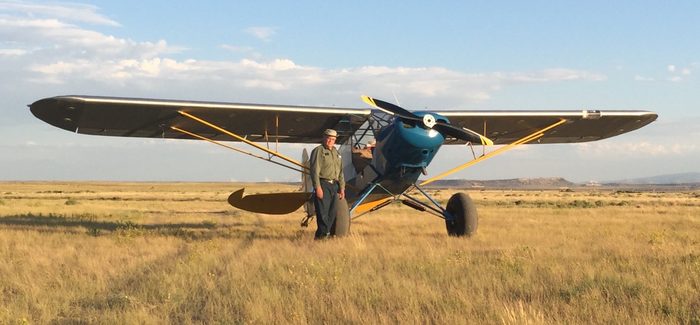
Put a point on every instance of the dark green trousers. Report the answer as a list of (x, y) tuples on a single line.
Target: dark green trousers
[(326, 209)]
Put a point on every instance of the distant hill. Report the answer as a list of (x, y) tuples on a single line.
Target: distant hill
[(515, 183), (683, 181), (682, 178)]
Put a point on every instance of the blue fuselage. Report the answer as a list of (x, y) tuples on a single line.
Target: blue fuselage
[(404, 148)]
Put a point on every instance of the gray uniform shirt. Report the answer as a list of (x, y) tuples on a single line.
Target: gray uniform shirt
[(326, 163)]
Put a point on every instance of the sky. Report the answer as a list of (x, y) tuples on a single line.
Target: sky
[(480, 55)]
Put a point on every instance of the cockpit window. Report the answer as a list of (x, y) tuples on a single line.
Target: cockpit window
[(408, 124)]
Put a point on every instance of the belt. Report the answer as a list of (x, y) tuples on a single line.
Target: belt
[(328, 180)]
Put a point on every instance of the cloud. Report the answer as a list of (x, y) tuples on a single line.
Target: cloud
[(50, 38), (282, 74), (78, 54), (263, 33), (12, 52), (237, 49), (560, 74), (675, 70), (52, 51), (63, 11), (640, 78)]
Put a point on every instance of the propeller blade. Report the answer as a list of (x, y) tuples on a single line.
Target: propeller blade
[(444, 128), (390, 108), (462, 133)]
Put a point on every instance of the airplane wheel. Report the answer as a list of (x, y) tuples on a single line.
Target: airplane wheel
[(462, 208), (341, 226)]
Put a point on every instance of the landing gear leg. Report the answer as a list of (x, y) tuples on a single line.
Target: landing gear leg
[(460, 214)]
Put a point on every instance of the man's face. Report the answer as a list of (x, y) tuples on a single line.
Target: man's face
[(328, 142)]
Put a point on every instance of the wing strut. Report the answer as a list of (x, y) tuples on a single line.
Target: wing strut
[(234, 148), (240, 138), (533, 136)]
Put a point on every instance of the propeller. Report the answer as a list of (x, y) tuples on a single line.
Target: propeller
[(429, 121)]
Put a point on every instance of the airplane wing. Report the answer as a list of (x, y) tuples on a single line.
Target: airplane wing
[(129, 117), (504, 127), (150, 118)]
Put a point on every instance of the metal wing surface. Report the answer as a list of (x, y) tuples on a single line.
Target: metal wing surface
[(129, 117), (504, 127)]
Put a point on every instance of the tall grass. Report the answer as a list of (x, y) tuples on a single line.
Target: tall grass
[(177, 253)]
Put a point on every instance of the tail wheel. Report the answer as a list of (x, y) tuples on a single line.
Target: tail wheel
[(462, 209), (341, 226)]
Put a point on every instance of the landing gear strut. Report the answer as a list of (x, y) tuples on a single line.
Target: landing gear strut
[(460, 215)]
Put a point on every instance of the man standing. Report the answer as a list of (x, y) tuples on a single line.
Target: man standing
[(328, 182)]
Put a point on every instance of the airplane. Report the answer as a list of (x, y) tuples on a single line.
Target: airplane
[(406, 143)]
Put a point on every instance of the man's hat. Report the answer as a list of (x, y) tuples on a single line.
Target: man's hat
[(330, 133)]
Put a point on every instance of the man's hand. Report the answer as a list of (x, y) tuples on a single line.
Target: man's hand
[(319, 193), (342, 194)]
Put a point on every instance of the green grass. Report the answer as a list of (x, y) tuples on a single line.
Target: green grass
[(177, 253)]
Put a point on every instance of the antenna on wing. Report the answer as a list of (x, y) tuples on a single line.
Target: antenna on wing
[(396, 98)]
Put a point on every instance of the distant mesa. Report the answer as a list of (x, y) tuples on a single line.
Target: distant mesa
[(515, 183), (683, 181), (671, 179), (673, 182)]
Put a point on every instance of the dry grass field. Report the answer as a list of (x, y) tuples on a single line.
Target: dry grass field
[(150, 253)]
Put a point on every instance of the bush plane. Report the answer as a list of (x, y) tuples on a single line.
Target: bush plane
[(406, 143)]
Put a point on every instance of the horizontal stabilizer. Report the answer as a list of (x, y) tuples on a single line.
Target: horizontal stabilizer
[(269, 203)]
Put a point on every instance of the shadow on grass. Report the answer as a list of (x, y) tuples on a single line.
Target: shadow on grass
[(87, 221), (89, 224)]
